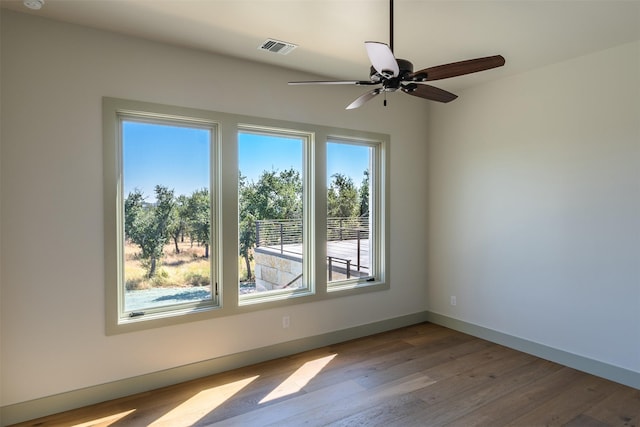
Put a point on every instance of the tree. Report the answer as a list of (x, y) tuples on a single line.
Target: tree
[(179, 221), (247, 224), (342, 197), (147, 225), (276, 195), (364, 195), (198, 212)]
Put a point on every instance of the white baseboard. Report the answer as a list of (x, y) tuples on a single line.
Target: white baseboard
[(581, 363), (37, 408)]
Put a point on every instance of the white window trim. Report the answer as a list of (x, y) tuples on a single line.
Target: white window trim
[(308, 217), (377, 214), (115, 113), (126, 316), (224, 195)]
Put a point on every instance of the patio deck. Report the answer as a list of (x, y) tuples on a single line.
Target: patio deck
[(339, 251)]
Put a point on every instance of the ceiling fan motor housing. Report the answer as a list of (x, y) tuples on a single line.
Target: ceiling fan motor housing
[(406, 68), (390, 83)]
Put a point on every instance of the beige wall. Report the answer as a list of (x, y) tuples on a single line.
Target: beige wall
[(54, 76), (534, 206)]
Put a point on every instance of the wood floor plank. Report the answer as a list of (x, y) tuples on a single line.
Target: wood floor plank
[(421, 375), (573, 401), (384, 414), (289, 408), (583, 420), (337, 410), (503, 411), (418, 359), (369, 364), (621, 408), (433, 363), (462, 362), (454, 397)]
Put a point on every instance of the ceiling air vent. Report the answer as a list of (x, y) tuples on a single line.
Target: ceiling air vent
[(277, 46)]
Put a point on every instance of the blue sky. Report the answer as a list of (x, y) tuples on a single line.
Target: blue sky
[(178, 157), (257, 153), (348, 159)]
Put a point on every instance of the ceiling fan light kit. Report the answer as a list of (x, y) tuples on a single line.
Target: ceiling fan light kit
[(394, 74)]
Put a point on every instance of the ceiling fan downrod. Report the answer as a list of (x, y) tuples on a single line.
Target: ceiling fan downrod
[(390, 40), (391, 25)]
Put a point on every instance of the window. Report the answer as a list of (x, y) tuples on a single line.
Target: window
[(167, 214), (273, 231), (353, 213), (166, 251), (176, 250)]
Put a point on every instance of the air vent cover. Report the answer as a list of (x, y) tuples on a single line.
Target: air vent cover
[(277, 46)]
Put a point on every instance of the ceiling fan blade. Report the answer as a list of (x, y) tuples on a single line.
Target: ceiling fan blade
[(382, 59), (429, 92), (335, 82), (363, 98), (457, 68)]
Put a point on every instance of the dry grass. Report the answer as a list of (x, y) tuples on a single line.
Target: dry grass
[(187, 268)]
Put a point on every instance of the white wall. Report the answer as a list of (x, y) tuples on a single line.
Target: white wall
[(534, 206), (54, 76)]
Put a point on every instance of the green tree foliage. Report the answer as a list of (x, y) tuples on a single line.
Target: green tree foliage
[(147, 225), (342, 197), (276, 195), (180, 221), (198, 212), (364, 195), (247, 222)]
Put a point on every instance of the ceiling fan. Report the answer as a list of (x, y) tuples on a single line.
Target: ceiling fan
[(392, 74)]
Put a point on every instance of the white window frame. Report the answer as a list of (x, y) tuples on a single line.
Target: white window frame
[(115, 114), (377, 217), (224, 211), (307, 139)]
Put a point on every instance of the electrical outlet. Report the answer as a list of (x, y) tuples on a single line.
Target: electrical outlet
[(285, 322), (453, 300)]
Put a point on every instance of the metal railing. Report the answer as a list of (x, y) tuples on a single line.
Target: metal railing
[(279, 233), (347, 228), (332, 261)]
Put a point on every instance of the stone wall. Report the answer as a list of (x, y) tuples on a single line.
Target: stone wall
[(274, 270)]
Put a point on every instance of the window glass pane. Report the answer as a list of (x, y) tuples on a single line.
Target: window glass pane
[(270, 197), (349, 234), (167, 215)]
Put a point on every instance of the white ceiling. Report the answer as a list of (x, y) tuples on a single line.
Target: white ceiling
[(331, 33)]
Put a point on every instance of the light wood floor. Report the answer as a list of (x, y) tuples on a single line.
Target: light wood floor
[(422, 375)]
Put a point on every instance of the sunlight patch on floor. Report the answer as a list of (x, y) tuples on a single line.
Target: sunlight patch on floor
[(299, 378), (193, 409), (106, 421)]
